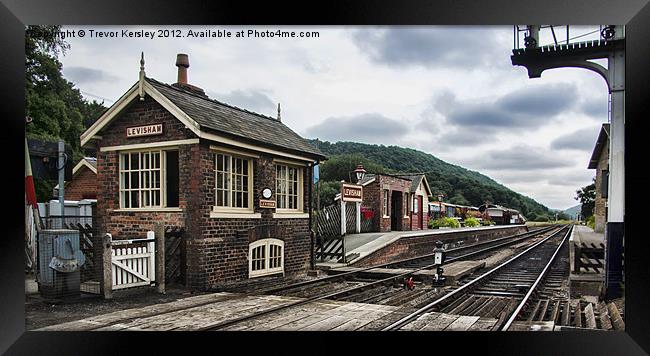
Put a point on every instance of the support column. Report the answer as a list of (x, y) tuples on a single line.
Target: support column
[(343, 222), (159, 234), (106, 286), (358, 224), (614, 230)]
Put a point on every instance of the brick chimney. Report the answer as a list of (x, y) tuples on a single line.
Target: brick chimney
[(183, 62)]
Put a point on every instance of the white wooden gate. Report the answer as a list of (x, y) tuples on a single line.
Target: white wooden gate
[(133, 263)]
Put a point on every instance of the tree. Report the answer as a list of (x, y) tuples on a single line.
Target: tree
[(587, 196), (57, 108)]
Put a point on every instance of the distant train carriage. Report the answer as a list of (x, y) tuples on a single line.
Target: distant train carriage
[(502, 215)]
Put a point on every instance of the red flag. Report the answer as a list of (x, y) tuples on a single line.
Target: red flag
[(30, 192)]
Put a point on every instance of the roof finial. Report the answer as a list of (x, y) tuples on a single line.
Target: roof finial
[(142, 74), (279, 117)]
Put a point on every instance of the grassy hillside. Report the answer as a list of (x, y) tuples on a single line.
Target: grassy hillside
[(573, 211), (460, 185)]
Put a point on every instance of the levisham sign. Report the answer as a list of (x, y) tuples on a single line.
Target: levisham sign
[(146, 130), (351, 192)]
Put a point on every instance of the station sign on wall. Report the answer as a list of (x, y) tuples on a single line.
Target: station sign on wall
[(267, 203), (351, 192), (146, 130)]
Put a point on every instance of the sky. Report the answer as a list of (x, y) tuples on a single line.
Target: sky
[(450, 91)]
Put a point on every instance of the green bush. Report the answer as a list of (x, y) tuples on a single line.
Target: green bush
[(487, 223), (591, 222), (472, 222), (443, 222)]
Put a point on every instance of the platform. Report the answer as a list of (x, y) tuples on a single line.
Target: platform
[(196, 312), (586, 283), (364, 244)]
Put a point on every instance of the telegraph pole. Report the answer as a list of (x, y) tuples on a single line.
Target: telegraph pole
[(61, 171)]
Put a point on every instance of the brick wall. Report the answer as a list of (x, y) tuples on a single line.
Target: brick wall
[(123, 224), (217, 254), (407, 247), (600, 203), (373, 197), (82, 186)]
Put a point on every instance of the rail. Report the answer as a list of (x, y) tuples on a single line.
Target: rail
[(405, 320)]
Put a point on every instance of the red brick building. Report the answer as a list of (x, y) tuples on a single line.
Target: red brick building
[(168, 153), (397, 202), (83, 184)]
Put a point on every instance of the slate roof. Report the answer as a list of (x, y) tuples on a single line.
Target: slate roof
[(367, 178), (415, 179), (603, 138), (234, 121), (92, 161)]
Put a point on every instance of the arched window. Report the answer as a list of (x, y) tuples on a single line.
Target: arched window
[(265, 257)]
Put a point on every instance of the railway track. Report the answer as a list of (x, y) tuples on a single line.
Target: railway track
[(382, 291), (504, 291), (389, 291), (471, 250)]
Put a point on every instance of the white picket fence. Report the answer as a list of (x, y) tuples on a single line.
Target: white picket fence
[(133, 266)]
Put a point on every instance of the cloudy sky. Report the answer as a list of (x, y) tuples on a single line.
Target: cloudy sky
[(448, 91)]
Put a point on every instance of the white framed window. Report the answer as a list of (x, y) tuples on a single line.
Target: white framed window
[(415, 205), (266, 257), (385, 207), (145, 180), (233, 183), (288, 188)]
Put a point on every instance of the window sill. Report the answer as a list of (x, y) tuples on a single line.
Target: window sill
[(255, 274), (223, 215), (149, 210), (292, 215)]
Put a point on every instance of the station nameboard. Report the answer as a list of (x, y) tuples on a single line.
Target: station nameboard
[(146, 130), (267, 203), (351, 192)]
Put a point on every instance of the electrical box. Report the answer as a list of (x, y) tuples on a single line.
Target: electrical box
[(60, 259)]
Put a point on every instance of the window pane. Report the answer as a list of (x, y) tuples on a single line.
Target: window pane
[(134, 199), (134, 180), (156, 160), (125, 162), (145, 180), (145, 160), (135, 159)]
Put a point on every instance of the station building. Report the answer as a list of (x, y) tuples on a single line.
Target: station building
[(397, 202), (600, 162), (238, 182), (83, 184)]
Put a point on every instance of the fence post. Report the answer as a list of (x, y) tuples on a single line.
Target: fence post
[(358, 215), (159, 231), (343, 222), (107, 267)]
